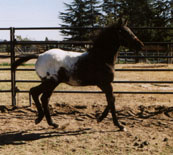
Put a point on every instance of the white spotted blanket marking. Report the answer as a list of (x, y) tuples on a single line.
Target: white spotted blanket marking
[(49, 63)]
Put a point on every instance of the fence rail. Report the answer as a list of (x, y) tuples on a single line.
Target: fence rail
[(13, 42)]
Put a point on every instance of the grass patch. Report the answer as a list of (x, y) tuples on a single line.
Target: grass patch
[(5, 64), (27, 65), (9, 64)]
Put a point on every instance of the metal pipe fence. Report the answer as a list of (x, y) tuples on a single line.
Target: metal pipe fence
[(13, 42)]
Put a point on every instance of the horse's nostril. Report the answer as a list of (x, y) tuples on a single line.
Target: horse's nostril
[(142, 44)]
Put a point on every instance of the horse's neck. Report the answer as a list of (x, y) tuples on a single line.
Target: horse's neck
[(105, 55), (105, 47)]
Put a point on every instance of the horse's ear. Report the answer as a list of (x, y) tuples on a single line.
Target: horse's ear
[(125, 22), (120, 22)]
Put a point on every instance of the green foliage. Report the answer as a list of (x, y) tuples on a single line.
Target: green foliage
[(148, 13), (80, 13), (5, 64)]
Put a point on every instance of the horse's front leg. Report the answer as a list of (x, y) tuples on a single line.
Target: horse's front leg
[(108, 90)]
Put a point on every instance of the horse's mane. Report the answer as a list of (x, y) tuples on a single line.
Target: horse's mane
[(103, 37)]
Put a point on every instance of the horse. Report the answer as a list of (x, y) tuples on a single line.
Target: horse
[(95, 67)]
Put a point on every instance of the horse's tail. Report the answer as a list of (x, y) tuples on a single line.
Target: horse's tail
[(22, 60)]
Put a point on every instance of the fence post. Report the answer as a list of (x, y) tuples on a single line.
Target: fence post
[(12, 44)]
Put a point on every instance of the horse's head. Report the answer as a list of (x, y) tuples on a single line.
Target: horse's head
[(126, 37)]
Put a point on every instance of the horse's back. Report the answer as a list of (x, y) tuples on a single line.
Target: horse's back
[(49, 63)]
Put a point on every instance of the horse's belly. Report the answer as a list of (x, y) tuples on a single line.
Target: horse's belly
[(73, 82)]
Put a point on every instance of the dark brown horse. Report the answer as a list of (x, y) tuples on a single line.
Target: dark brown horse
[(94, 67)]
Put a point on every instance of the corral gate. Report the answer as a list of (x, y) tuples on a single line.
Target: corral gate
[(13, 42)]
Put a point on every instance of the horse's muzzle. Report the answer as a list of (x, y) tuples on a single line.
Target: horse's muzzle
[(139, 44)]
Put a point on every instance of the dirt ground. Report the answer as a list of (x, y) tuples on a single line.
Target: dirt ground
[(148, 119)]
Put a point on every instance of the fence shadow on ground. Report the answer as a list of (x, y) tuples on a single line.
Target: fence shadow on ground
[(146, 112)]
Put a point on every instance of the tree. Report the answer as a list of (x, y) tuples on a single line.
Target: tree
[(80, 13), (110, 11), (148, 13), (73, 17), (92, 12), (88, 13)]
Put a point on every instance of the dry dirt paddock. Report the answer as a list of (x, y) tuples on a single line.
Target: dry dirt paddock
[(148, 119)]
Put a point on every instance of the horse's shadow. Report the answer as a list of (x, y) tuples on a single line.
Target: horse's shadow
[(19, 138)]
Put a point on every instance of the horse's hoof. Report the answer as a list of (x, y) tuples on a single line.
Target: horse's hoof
[(122, 128), (99, 119), (38, 120), (55, 125)]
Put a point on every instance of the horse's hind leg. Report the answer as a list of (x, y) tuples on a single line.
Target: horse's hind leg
[(35, 92), (49, 86)]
